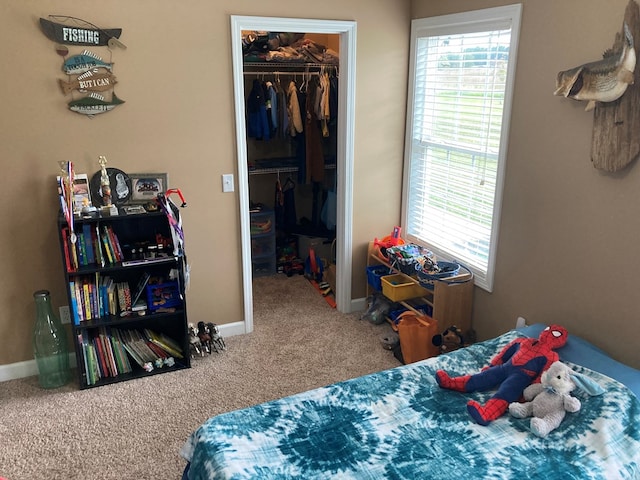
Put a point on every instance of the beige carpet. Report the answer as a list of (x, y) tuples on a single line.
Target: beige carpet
[(135, 429)]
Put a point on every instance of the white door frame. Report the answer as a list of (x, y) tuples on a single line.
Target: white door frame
[(344, 167)]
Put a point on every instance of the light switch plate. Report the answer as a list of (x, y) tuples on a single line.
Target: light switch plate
[(227, 182)]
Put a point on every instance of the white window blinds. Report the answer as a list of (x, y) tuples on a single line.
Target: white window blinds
[(456, 135)]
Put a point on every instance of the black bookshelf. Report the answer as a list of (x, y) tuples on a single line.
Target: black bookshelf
[(114, 259)]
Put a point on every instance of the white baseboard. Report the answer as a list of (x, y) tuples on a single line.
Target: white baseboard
[(358, 304), (29, 368), (24, 369)]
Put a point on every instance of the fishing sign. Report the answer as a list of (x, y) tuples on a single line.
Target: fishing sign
[(90, 79)]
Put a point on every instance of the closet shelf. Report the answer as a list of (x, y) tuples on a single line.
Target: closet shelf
[(283, 165), (289, 65), (271, 68), (262, 171)]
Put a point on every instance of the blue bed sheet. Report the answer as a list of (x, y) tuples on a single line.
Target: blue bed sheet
[(398, 424), (581, 352)]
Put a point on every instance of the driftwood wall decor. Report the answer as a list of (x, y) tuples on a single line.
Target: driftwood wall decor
[(615, 142)]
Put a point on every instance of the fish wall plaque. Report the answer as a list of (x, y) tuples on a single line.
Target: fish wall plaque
[(90, 79), (96, 80), (605, 80), (79, 32), (615, 141)]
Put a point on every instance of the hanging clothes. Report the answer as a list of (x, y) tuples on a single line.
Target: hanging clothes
[(322, 103), (283, 115), (293, 108), (313, 134), (278, 204), (290, 218), (301, 142), (257, 121), (272, 108), (333, 100)]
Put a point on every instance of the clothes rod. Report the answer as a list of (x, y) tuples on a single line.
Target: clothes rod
[(272, 72)]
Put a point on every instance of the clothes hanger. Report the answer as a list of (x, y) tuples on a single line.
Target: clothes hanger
[(288, 184)]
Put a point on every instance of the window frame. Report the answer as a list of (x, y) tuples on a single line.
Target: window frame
[(466, 22)]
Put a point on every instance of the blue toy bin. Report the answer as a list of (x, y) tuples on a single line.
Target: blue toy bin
[(374, 275)]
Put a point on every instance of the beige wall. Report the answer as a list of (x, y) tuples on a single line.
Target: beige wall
[(568, 250), (569, 239), (176, 79)]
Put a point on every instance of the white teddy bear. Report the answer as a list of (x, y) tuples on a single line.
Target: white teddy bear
[(549, 400)]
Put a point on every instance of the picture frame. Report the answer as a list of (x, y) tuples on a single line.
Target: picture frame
[(145, 187), (80, 191)]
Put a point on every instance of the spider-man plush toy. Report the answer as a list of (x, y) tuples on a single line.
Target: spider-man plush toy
[(518, 365)]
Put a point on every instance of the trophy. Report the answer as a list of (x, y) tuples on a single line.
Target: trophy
[(105, 185)]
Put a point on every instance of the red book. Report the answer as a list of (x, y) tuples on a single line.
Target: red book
[(65, 243), (115, 245), (104, 370)]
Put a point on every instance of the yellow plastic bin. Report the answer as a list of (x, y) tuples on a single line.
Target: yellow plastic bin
[(400, 287)]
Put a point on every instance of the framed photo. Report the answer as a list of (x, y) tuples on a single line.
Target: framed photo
[(80, 191), (145, 187)]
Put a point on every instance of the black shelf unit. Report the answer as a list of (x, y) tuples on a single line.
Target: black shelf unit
[(138, 236)]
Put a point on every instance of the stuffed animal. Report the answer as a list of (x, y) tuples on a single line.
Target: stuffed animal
[(519, 364), (451, 339), (548, 401)]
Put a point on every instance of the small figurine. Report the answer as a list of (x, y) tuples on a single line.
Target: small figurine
[(217, 342), (105, 184), (205, 337), (194, 342)]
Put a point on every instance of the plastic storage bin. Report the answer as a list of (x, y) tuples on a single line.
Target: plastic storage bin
[(375, 274), (400, 287)]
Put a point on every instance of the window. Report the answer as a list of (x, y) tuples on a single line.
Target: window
[(461, 81)]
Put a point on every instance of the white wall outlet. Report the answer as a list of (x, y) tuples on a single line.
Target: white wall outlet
[(227, 182), (65, 314), (521, 322)]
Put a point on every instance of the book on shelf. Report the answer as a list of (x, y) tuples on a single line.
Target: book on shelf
[(66, 249), (74, 303), (140, 287), (80, 248), (107, 250), (97, 242), (124, 297), (106, 352), (87, 239), (114, 244), (164, 342)]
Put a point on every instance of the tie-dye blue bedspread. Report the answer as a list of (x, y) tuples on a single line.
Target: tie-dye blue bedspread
[(398, 424)]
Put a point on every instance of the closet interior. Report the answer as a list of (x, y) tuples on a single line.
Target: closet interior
[(291, 99)]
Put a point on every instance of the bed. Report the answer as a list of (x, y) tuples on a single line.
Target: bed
[(398, 424)]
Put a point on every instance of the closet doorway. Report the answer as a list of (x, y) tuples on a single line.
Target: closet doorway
[(346, 30)]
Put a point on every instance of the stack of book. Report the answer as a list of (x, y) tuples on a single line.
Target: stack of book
[(96, 296), (91, 247), (106, 352)]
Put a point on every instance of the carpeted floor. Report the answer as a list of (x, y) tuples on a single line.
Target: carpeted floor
[(134, 430)]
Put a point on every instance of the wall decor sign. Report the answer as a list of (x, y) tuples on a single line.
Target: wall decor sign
[(90, 79)]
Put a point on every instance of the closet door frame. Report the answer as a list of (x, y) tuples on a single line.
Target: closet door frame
[(345, 143)]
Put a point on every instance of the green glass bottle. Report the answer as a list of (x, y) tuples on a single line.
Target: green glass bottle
[(49, 344)]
